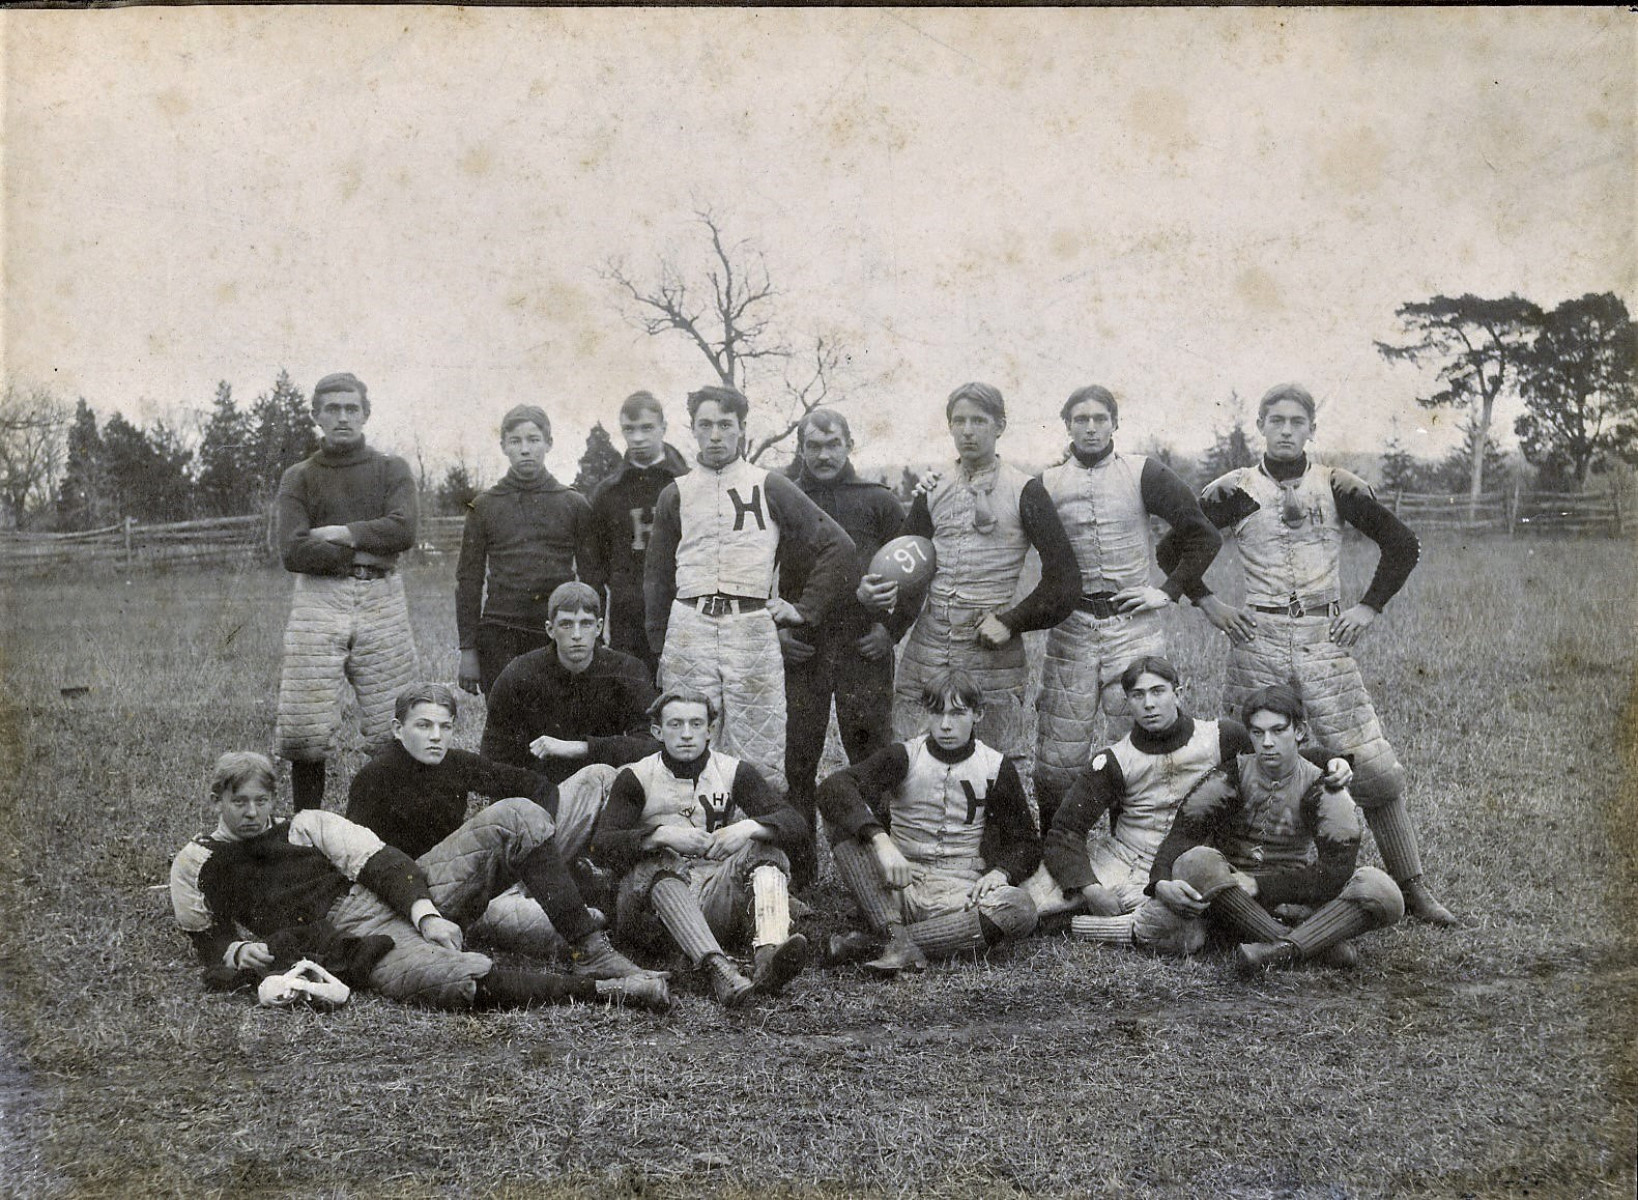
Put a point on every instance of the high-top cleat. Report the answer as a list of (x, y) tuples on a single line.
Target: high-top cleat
[(596, 958), (900, 954), (730, 987), (1421, 903), (636, 991), (777, 965), (851, 947), (1254, 957), (1342, 956)]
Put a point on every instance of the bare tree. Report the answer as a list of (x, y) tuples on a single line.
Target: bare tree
[(729, 320), (33, 446)]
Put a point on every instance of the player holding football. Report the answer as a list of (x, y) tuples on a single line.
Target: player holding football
[(1105, 499), (1286, 516), (982, 521)]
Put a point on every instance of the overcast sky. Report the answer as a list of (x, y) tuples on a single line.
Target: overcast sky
[(1177, 204)]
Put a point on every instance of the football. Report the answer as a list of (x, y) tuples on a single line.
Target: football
[(908, 561)]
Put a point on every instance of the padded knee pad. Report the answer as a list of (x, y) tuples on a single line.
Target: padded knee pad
[(1376, 893), (1010, 910), (1205, 869), (1159, 930)]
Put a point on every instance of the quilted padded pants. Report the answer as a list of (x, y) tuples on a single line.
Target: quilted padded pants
[(946, 636), (1079, 676), (735, 660), (352, 630), (1340, 715)]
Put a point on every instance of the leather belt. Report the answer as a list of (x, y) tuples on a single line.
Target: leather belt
[(718, 605), (1100, 605), (368, 571), (1300, 608)]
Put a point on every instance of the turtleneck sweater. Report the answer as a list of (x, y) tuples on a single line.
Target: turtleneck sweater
[(371, 493)]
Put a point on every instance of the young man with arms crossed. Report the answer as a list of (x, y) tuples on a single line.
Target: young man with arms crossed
[(572, 703), (1286, 516), (709, 580), (702, 845), (1105, 499), (523, 537), (414, 794), (1265, 830), (982, 521), (623, 517), (850, 656), (932, 837), (318, 875), (340, 521)]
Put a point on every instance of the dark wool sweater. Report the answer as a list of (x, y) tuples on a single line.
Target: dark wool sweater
[(622, 517), (414, 805), (870, 515), (521, 540), (371, 493), (605, 706)]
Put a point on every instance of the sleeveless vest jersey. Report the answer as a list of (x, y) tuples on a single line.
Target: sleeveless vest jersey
[(729, 538), (1156, 785), (978, 569), (706, 803), (938, 811), (1291, 547), (1268, 832), (1101, 508)]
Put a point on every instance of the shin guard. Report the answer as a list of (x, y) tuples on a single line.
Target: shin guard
[(948, 935), (1250, 921), (877, 902), (1112, 931), (679, 911), (771, 896), (1396, 838), (1332, 923)]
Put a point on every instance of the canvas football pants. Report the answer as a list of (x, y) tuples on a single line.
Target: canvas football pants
[(734, 659), (946, 636), (1080, 675), (342, 630)]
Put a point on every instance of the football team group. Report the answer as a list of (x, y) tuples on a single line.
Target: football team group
[(660, 663)]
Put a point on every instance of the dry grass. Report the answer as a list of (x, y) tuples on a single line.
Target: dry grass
[(1496, 1060)]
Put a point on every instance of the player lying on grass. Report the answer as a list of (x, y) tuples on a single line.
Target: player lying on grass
[(1286, 516), (702, 843), (932, 837), (414, 794), (1265, 830), (318, 885), (572, 702), (1103, 867)]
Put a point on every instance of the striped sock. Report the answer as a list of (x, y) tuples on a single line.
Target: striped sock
[(1112, 931), (771, 893), (1249, 920), (950, 934), (1396, 839), (679, 911), (857, 867), (1335, 922)]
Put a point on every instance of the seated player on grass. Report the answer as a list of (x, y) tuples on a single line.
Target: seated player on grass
[(702, 843), (414, 794), (1263, 831), (255, 894), (932, 837), (1102, 868), (574, 701)]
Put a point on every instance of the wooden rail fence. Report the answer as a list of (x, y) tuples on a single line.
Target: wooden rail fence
[(129, 546)]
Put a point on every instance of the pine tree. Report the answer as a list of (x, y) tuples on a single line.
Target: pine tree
[(1232, 447), (82, 501), (227, 487), (599, 461), (456, 493), (1399, 466), (282, 434)]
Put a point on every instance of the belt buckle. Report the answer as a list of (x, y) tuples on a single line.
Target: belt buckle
[(715, 606), (1295, 608)]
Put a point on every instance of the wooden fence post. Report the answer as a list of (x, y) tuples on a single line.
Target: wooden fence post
[(1615, 507), (1513, 509), (129, 521)]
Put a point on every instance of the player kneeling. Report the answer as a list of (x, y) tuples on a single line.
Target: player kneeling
[(701, 841), (318, 886), (1266, 830), (932, 837)]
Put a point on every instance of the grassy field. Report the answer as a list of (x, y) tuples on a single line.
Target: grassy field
[(1493, 1060)]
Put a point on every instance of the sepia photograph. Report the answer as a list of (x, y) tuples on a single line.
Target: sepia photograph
[(673, 602)]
